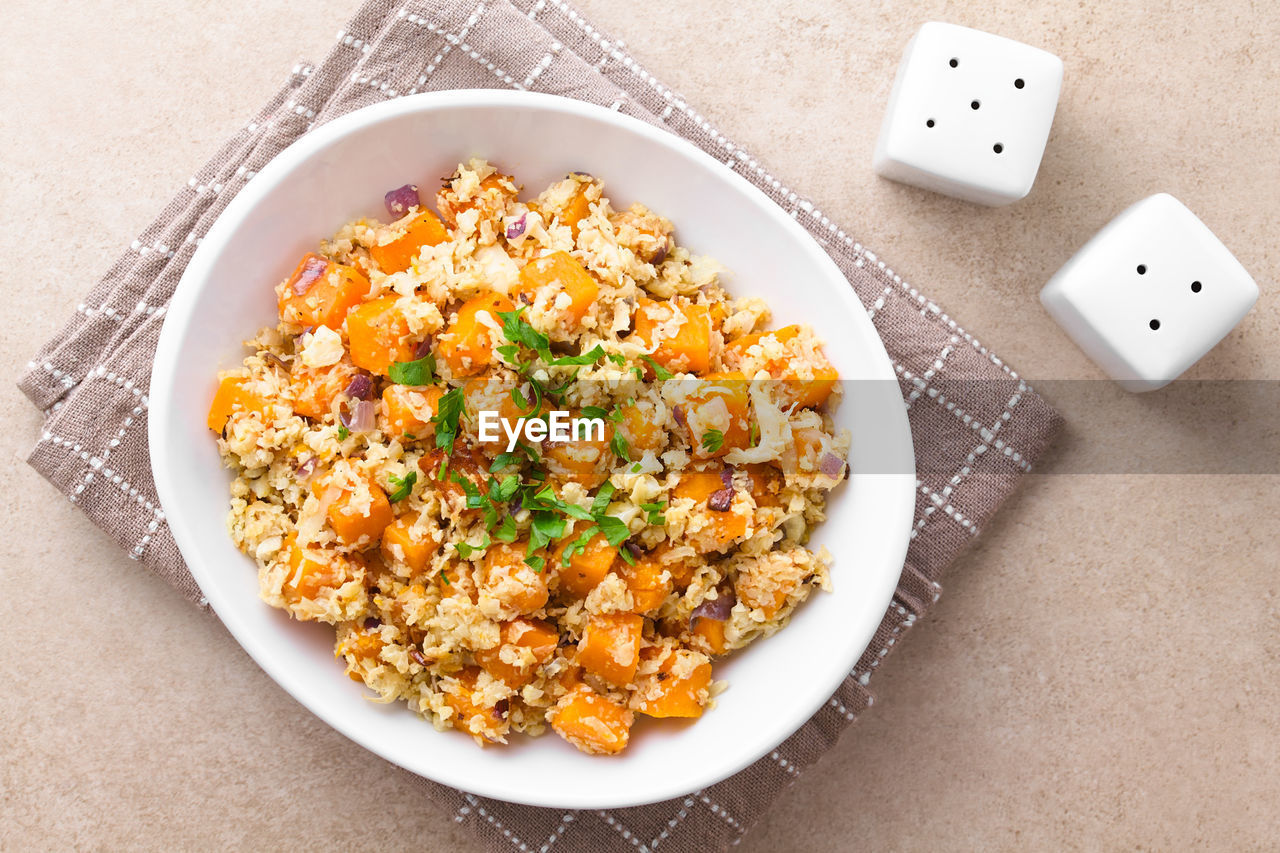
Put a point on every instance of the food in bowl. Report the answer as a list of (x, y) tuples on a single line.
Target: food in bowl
[(529, 459)]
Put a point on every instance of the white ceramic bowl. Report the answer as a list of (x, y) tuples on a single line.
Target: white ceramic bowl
[(340, 171)]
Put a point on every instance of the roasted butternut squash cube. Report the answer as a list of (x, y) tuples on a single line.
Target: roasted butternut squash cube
[(648, 583), (642, 428), (679, 343), (710, 632), (583, 460), (560, 273), (472, 712), (320, 293), (610, 646), (312, 571), (718, 415), (801, 379), (678, 688), (510, 583), (525, 645), (407, 411), (314, 389), (399, 253), (358, 511), (378, 333), (587, 567), (591, 722), (718, 529), (230, 398), (577, 209), (467, 345), (402, 543)]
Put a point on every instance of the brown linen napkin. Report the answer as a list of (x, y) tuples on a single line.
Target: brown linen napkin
[(977, 426)]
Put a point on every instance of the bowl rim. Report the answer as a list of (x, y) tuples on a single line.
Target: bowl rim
[(165, 367)]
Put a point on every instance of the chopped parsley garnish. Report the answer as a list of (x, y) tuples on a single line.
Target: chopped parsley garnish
[(506, 531), (404, 485), (712, 440), (465, 551), (754, 438), (419, 372), (618, 444), (658, 370), (653, 512), (343, 432), (448, 411), (594, 412)]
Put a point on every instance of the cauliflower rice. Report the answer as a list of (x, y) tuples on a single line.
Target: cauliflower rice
[(580, 585)]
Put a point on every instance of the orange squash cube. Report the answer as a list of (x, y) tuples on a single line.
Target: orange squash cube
[(398, 255), (232, 397), (378, 333), (610, 646), (407, 411), (688, 348), (645, 580), (358, 516), (581, 460), (401, 543), (512, 582), (312, 571), (320, 292), (587, 567), (470, 714), (577, 209), (591, 722), (529, 642), (721, 528), (721, 402), (314, 389), (467, 346), (641, 428), (809, 391), (711, 632), (677, 689), (563, 274)]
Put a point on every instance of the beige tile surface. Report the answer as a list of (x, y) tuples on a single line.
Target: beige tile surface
[(1102, 671)]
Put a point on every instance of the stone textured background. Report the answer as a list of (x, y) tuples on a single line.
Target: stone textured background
[(1102, 671)]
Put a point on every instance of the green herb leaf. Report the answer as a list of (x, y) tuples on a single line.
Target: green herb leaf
[(343, 432), (535, 562), (404, 485), (601, 502), (420, 372), (448, 410), (635, 469), (754, 438), (658, 370), (465, 551), (618, 444), (591, 356), (617, 358), (595, 412), (614, 529), (626, 556), (712, 440), (506, 531), (517, 330), (578, 545)]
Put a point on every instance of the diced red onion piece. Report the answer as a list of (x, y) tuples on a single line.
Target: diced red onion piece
[(360, 387), (501, 707), (721, 500), (661, 255), (400, 199), (312, 270), (633, 548), (831, 465), (726, 476), (418, 657), (276, 360), (372, 623), (717, 608), (423, 349), (360, 418), (306, 468), (678, 413), (515, 229)]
